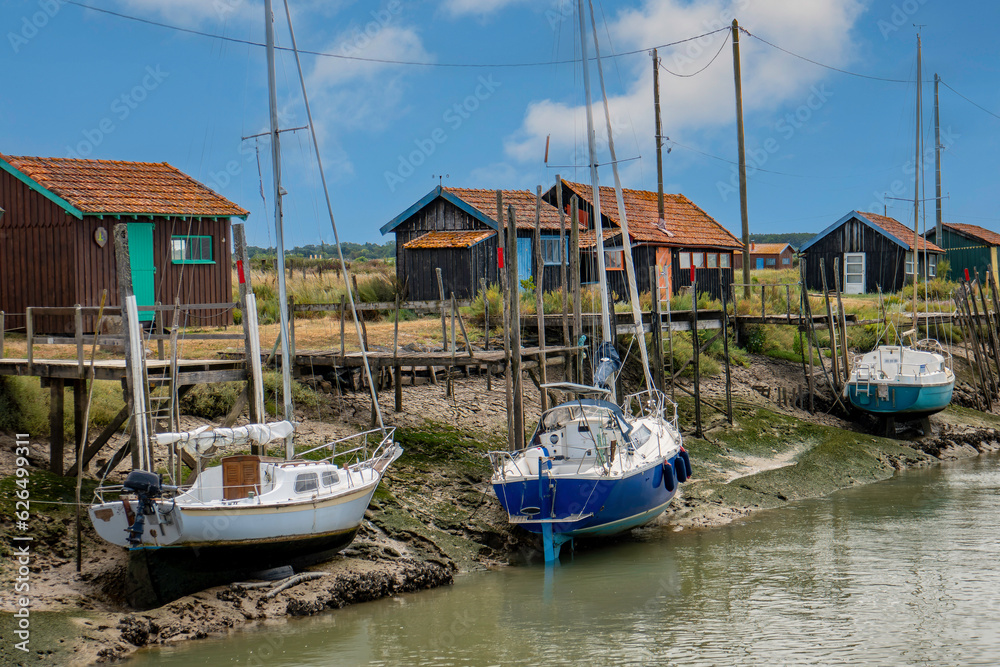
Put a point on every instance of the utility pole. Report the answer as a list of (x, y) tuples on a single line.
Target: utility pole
[(937, 163), (916, 195), (659, 137), (743, 160)]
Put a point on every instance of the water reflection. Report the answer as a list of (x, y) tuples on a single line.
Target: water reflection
[(904, 572)]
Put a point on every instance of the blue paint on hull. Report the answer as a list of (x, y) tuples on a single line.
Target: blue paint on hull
[(910, 400), (616, 503)]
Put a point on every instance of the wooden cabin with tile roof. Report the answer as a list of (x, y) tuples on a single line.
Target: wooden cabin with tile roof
[(767, 256), (967, 248), (871, 252), (57, 248), (454, 229), (686, 236)]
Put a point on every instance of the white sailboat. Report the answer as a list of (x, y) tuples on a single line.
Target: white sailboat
[(594, 467), (249, 512), (907, 381)]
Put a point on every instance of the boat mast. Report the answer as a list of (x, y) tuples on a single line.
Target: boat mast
[(633, 287), (286, 374), (916, 198), (595, 185)]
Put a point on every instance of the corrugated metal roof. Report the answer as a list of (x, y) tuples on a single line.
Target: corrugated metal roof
[(686, 225), (113, 186), (450, 239), (523, 202), (900, 231), (986, 236)]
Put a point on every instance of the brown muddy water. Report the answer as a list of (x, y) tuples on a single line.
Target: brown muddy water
[(906, 572)]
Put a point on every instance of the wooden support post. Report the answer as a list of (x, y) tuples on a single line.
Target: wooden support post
[(763, 309), (93, 448), (158, 319), (563, 278), (123, 268), (502, 246), (29, 326), (695, 358), (670, 340), (960, 317), (574, 273), (805, 311), (976, 347), (397, 379), (79, 416), (540, 297), (981, 342), (78, 337), (451, 368), (656, 328), (990, 334), (343, 309), (725, 349), (56, 431), (515, 330), (444, 312), (361, 316), (842, 322), (835, 363), (486, 331), (2, 325)]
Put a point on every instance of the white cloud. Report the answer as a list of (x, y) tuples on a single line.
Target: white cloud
[(702, 104), (190, 13), (476, 7)]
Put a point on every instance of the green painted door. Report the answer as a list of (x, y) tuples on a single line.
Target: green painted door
[(140, 250)]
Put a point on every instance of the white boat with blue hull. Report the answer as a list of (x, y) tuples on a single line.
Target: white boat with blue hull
[(897, 380), (593, 470)]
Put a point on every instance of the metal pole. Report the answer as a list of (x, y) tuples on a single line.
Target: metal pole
[(937, 163), (659, 137)]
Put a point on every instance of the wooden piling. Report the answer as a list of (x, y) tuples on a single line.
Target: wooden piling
[(574, 272), (656, 328), (842, 319), (56, 430), (515, 330), (835, 362), (696, 359), (503, 245), (343, 339), (990, 332), (397, 378), (540, 297), (725, 350), (486, 331)]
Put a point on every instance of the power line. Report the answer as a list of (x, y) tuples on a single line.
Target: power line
[(684, 76), (387, 61), (982, 108), (819, 64)]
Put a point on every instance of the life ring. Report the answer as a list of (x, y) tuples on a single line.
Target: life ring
[(668, 477)]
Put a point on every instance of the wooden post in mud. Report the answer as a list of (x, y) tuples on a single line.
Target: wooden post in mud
[(981, 338), (696, 356), (725, 349), (564, 287), (486, 332), (988, 323), (397, 378), (962, 300), (361, 317), (540, 298), (835, 364), (842, 320), (960, 313), (454, 347), (502, 244), (343, 308), (805, 311), (515, 330), (574, 272), (656, 329)]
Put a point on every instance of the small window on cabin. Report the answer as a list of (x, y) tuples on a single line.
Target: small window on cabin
[(191, 250), (685, 259), (306, 482), (699, 259), (713, 260), (614, 260), (330, 477), (786, 260), (932, 261), (724, 260), (909, 263), (771, 261), (550, 251)]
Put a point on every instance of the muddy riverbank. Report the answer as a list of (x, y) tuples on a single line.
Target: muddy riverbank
[(435, 517)]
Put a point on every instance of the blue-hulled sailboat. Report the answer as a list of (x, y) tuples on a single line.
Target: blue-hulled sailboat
[(594, 467), (911, 382)]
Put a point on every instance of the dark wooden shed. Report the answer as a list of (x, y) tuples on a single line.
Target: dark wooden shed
[(873, 252), (686, 235), (56, 245), (454, 229), (967, 248)]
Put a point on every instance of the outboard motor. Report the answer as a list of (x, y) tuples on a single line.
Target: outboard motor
[(146, 486), (608, 363)]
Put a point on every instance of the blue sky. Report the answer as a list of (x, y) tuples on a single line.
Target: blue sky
[(820, 142)]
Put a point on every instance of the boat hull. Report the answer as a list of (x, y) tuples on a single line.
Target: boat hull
[(591, 506), (900, 399)]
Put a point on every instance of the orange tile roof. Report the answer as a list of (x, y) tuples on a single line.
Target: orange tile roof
[(900, 231), (113, 186), (986, 236), (588, 239), (456, 239), (523, 202), (687, 224), (767, 248)]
